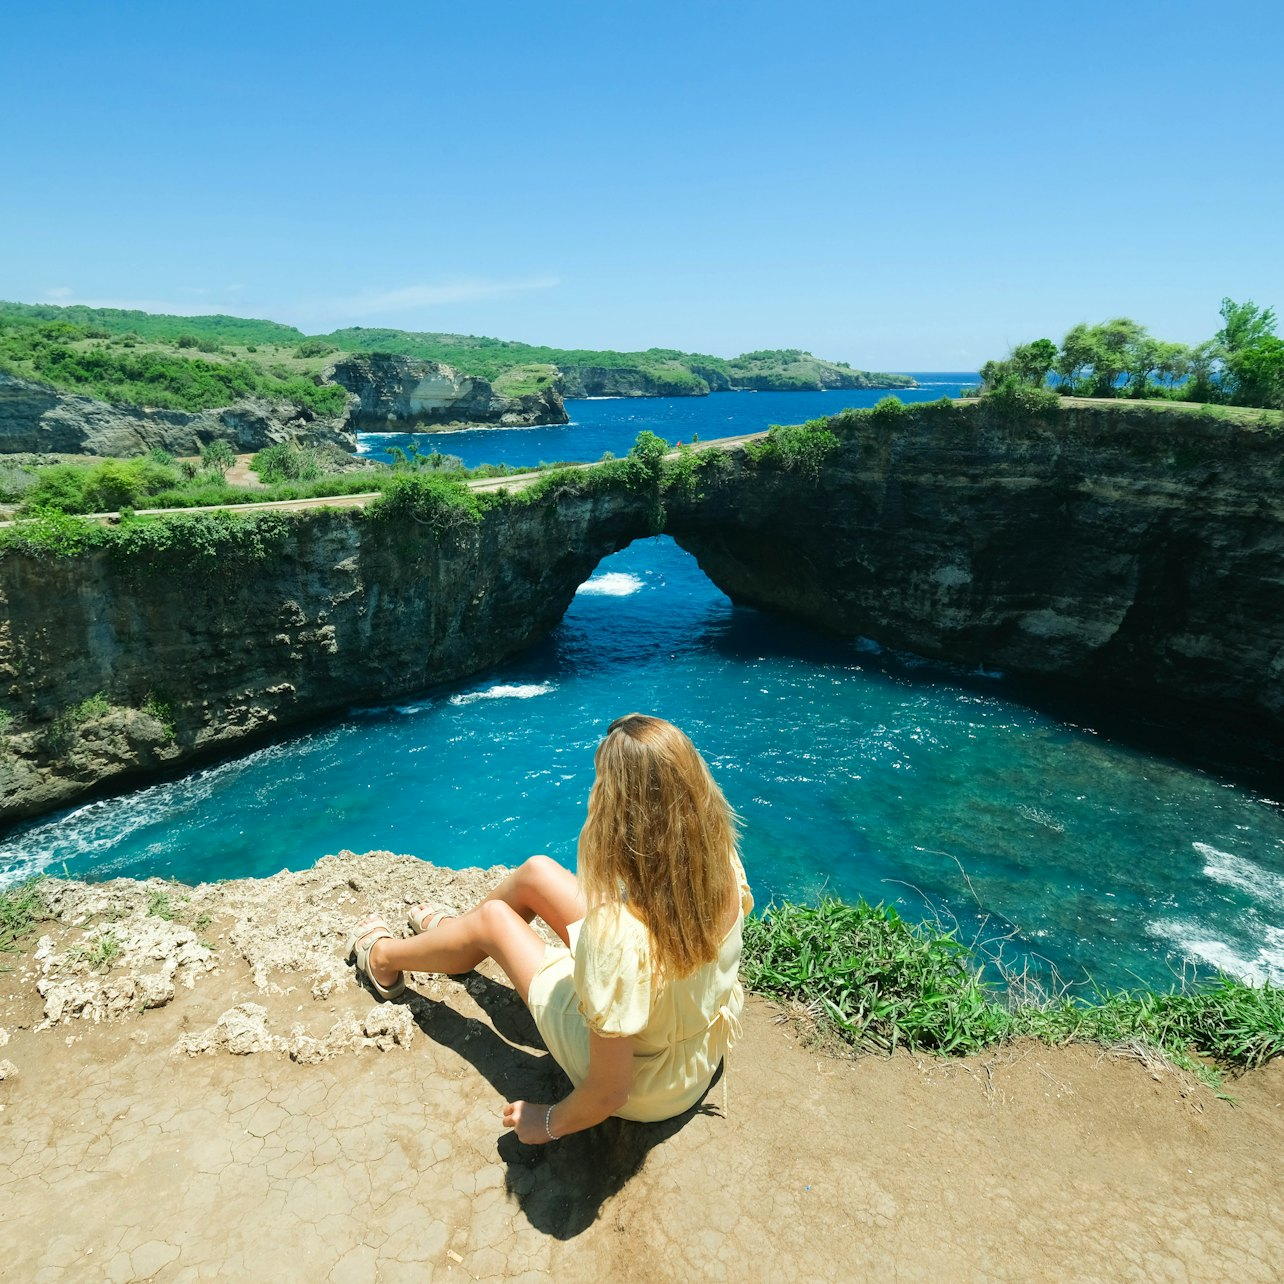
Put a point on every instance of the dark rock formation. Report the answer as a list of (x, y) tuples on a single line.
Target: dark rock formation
[(194, 656), (1110, 547), (39, 419), (404, 394), (1115, 549), (630, 381)]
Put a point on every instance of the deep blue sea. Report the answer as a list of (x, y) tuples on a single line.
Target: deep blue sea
[(857, 772)]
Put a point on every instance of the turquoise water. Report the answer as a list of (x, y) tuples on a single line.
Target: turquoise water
[(857, 772), (614, 423)]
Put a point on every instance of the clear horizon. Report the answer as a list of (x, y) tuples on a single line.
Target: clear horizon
[(907, 194)]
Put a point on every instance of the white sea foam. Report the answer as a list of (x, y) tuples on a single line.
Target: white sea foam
[(99, 827), (525, 691), (1194, 941), (1263, 885), (611, 584)]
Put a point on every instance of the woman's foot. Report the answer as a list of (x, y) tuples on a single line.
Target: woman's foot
[(366, 945), (423, 918)]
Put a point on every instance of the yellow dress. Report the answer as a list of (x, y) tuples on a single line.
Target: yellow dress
[(681, 1030)]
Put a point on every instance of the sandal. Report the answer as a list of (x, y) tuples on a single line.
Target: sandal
[(423, 918), (360, 944)]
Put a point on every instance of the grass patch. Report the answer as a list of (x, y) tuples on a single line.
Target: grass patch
[(100, 954), (877, 982), (158, 906), (21, 908)]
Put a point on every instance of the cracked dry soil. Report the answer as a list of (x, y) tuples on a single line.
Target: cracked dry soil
[(219, 1099)]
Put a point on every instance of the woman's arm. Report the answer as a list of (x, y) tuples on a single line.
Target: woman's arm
[(605, 1089)]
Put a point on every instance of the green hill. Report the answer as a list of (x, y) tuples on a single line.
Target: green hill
[(198, 363)]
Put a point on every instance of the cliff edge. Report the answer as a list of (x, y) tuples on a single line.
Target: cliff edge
[(197, 1074)]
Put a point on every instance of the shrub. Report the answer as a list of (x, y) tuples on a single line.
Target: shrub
[(286, 461), (429, 499), (51, 533), (105, 487), (217, 457), (1014, 398)]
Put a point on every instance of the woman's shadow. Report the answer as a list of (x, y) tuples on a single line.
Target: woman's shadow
[(561, 1188)]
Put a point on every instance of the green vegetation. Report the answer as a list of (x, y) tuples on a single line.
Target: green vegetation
[(877, 982), (220, 541), (158, 906), (162, 709), (286, 462), (100, 954), (95, 361), (516, 368), (200, 363), (21, 908), (1241, 365), (441, 503)]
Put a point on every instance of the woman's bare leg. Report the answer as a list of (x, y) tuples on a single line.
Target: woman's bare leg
[(498, 928)]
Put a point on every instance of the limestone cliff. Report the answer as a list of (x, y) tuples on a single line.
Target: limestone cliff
[(1112, 547), (39, 419), (633, 381), (114, 668), (1120, 551), (403, 394)]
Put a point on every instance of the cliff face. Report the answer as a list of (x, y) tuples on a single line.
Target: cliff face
[(696, 380), (1114, 548), (113, 669), (1120, 551), (629, 381), (402, 394), (40, 419)]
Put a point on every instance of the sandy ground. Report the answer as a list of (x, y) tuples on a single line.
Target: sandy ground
[(265, 1119)]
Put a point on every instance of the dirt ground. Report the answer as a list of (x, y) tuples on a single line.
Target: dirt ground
[(220, 1099)]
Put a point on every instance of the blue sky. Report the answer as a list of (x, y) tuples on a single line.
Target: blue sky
[(909, 186)]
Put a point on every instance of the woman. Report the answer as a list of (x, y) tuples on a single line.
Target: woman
[(641, 1002)]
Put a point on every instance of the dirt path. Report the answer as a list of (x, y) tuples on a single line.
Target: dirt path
[(241, 475), (359, 1142)]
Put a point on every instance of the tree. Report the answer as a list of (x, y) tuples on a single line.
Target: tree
[(217, 458), (1078, 351), (1169, 361), (1243, 325), (1201, 362), (1256, 374), (1032, 361)]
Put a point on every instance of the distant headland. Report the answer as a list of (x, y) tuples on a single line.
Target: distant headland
[(114, 381)]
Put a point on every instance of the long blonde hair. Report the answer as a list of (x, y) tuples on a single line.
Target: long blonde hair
[(660, 836)]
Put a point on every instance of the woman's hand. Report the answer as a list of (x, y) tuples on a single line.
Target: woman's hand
[(526, 1119)]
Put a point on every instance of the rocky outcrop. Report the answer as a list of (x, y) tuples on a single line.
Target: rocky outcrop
[(696, 380), (39, 419), (1114, 549), (815, 377), (403, 394), (1119, 550), (631, 381)]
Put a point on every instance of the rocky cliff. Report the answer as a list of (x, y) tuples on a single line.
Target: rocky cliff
[(117, 666), (403, 394), (39, 419), (1120, 551), (633, 381)]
